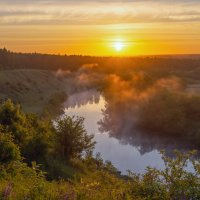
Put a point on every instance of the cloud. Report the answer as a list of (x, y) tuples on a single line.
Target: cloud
[(41, 12), (75, 1)]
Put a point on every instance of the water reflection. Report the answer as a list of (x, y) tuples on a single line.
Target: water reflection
[(120, 121), (82, 98), (118, 140)]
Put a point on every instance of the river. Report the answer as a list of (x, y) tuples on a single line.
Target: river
[(135, 153)]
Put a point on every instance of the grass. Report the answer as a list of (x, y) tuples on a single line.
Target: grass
[(32, 88)]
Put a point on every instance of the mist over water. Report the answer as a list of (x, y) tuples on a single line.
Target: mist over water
[(123, 153), (135, 115)]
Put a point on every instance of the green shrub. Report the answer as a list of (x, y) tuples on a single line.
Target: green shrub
[(14, 120), (72, 138), (9, 151)]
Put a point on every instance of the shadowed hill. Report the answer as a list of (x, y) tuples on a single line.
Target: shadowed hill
[(32, 88)]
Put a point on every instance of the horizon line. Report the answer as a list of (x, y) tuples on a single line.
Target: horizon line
[(106, 56)]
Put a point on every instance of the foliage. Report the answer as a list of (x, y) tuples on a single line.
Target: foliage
[(9, 151), (39, 140), (31, 134), (99, 181), (40, 143), (14, 120), (176, 113), (63, 173), (53, 107), (174, 182), (22, 182), (72, 138)]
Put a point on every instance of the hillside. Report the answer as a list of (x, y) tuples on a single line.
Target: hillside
[(32, 88)]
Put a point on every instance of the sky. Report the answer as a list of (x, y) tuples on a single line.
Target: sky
[(102, 28)]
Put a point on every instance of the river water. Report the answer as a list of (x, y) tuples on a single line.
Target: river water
[(135, 153)]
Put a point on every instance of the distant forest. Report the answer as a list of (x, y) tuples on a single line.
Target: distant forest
[(12, 60)]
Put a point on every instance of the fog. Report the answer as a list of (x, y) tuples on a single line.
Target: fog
[(149, 112)]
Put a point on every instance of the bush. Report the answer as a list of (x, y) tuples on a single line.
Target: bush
[(40, 142), (33, 135), (174, 182), (14, 120), (72, 138), (9, 151)]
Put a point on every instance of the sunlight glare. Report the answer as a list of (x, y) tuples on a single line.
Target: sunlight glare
[(118, 46)]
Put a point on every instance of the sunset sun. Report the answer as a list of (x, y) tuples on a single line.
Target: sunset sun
[(118, 46)]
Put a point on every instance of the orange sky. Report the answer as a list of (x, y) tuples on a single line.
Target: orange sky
[(93, 27)]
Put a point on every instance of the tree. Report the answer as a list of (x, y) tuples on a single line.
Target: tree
[(72, 138), (14, 120), (8, 150), (29, 132), (40, 140)]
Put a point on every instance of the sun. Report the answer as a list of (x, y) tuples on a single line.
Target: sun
[(118, 46)]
